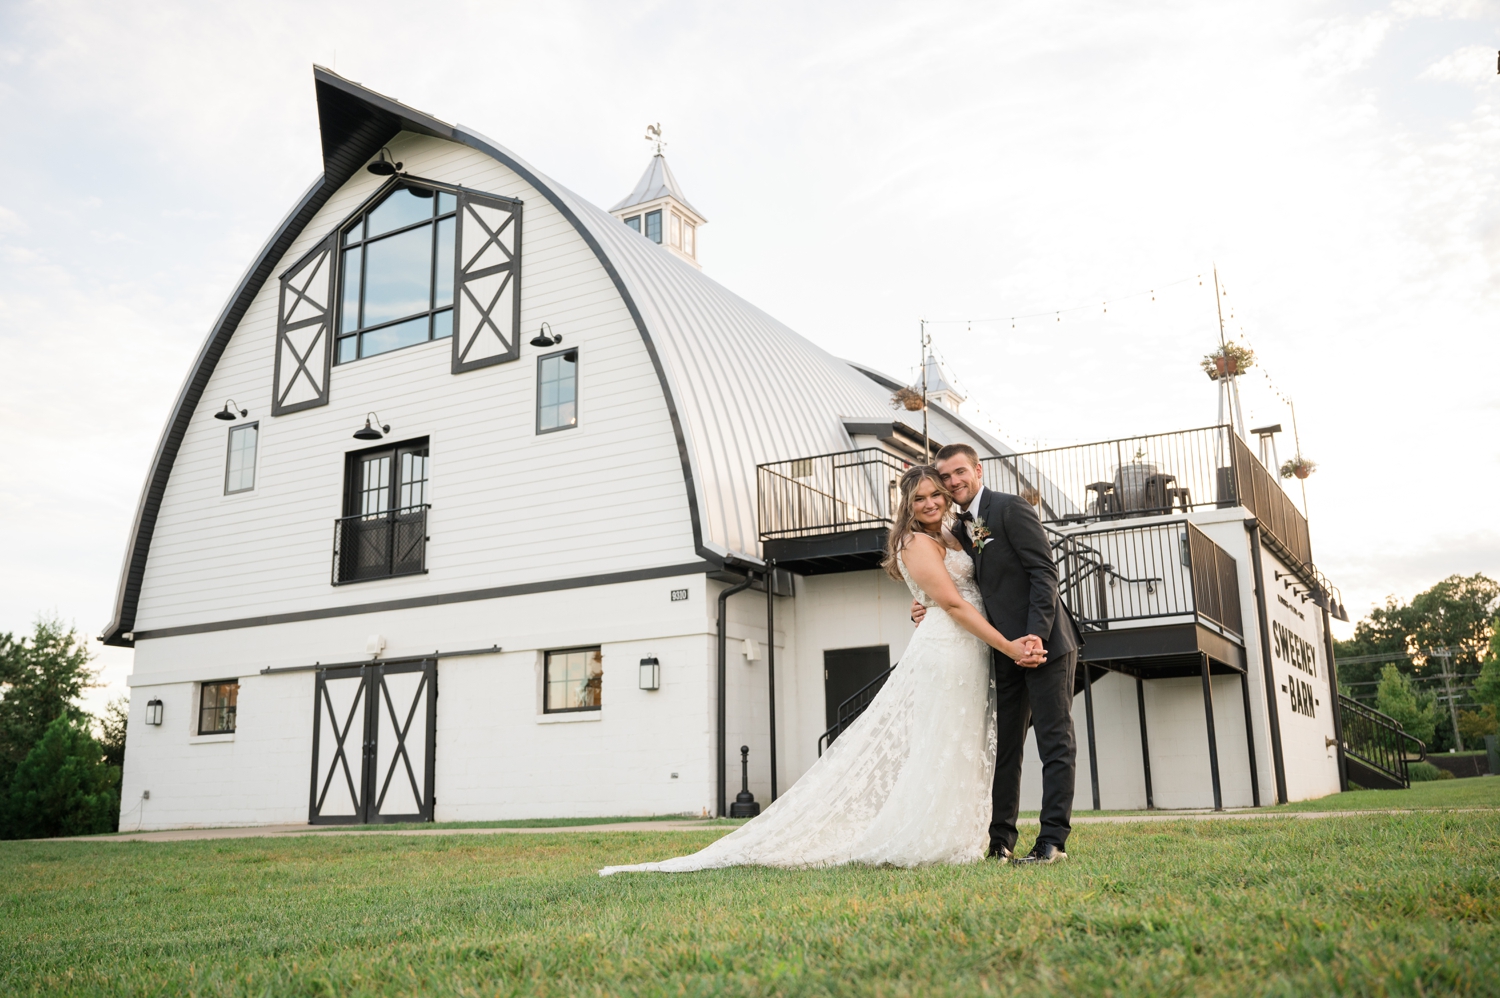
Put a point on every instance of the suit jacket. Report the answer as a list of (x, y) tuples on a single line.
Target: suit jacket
[(1017, 576)]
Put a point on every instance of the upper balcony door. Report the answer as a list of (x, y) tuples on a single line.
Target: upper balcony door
[(384, 528)]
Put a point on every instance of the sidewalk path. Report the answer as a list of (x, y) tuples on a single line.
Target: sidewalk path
[(691, 825)]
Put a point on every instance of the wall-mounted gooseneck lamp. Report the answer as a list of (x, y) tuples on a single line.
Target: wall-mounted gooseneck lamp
[(545, 337), (650, 673), (384, 167), (230, 408), (368, 432), (153, 712)]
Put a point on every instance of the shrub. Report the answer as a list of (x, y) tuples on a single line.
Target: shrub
[(1475, 724), (1422, 772), (62, 787)]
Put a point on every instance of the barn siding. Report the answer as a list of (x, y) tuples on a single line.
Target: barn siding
[(508, 506)]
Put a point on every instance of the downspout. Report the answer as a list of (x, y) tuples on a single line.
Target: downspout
[(1338, 707), (723, 697), (1273, 711), (771, 662)]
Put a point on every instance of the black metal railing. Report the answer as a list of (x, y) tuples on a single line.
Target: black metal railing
[(1152, 475), (852, 708), (1146, 572), (380, 545), (827, 493), (1378, 741)]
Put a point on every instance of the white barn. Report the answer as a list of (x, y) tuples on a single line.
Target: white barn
[(445, 515)]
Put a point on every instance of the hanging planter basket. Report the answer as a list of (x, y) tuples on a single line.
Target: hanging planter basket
[(1228, 361), (907, 398), (1298, 467)]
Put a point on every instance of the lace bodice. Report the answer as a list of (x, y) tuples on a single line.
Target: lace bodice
[(960, 567)]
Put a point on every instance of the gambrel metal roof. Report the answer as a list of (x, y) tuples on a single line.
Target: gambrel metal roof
[(741, 388)]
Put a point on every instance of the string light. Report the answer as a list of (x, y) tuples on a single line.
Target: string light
[(1058, 313)]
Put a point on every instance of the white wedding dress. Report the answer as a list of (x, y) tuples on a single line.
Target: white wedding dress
[(907, 784)]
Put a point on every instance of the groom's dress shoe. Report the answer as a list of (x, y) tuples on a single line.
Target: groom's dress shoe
[(1042, 852), (999, 852)]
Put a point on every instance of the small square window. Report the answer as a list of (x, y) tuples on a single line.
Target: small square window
[(557, 391), (216, 707), (653, 226), (573, 680), (634, 221), (239, 470)]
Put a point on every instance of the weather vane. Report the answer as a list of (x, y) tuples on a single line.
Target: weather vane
[(653, 134)]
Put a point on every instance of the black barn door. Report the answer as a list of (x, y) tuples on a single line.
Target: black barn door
[(374, 732)]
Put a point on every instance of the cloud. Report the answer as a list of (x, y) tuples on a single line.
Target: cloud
[(1473, 64)]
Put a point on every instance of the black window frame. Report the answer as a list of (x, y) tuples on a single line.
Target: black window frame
[(229, 453), (232, 709), (634, 221), (540, 359), (353, 460), (547, 707), (646, 226), (342, 248)]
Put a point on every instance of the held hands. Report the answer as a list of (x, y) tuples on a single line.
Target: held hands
[(1027, 652)]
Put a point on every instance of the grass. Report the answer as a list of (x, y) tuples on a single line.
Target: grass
[(1368, 904)]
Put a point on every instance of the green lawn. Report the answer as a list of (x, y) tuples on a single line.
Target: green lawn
[(1366, 904)]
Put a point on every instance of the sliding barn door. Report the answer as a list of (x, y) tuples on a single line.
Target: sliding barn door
[(374, 732)]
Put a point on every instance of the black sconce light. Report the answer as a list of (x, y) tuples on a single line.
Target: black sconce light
[(383, 167), (545, 337), (650, 673), (369, 432), (153, 712), (229, 410)]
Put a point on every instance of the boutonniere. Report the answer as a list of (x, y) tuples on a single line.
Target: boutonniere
[(979, 534)]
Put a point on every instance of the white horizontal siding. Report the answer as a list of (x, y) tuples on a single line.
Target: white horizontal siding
[(509, 506)]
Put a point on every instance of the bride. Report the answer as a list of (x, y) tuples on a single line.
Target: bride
[(908, 784)]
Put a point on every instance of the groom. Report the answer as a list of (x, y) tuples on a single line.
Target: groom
[(1018, 580)]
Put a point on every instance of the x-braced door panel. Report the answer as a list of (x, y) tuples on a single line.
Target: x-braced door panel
[(373, 739)]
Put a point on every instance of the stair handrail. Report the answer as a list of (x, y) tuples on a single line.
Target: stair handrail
[(849, 710), (1361, 749)]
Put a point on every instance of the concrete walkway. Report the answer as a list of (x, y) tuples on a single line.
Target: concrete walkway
[(690, 825)]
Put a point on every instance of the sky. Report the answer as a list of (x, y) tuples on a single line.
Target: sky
[(863, 166)]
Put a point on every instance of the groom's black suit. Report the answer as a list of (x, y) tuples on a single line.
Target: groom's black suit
[(1018, 580)]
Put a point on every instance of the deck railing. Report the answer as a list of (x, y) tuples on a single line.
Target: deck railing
[(827, 493), (1147, 572), (380, 545)]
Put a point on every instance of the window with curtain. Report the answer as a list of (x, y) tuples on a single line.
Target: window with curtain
[(217, 705), (574, 680), (396, 274)]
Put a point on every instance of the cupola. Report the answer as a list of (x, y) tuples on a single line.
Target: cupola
[(939, 388), (657, 210)]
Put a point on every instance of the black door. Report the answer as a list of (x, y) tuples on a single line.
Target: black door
[(374, 732), (846, 671), (385, 505)]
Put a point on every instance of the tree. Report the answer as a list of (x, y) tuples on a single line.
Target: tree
[(1474, 725), (62, 787), (112, 725), (41, 679), (1396, 697), (1487, 686)]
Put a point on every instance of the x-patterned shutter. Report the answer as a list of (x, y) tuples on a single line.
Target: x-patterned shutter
[(487, 302), (304, 353)]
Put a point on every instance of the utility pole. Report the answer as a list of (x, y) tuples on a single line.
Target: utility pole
[(1229, 387), (1446, 654)]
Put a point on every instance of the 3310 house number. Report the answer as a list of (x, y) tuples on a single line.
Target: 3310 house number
[(678, 595)]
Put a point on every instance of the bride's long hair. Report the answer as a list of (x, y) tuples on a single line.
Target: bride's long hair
[(903, 518)]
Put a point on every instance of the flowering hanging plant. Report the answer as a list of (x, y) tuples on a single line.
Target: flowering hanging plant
[(1299, 467), (1230, 359), (907, 398)]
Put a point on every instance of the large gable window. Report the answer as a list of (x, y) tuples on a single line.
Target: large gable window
[(396, 274)]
